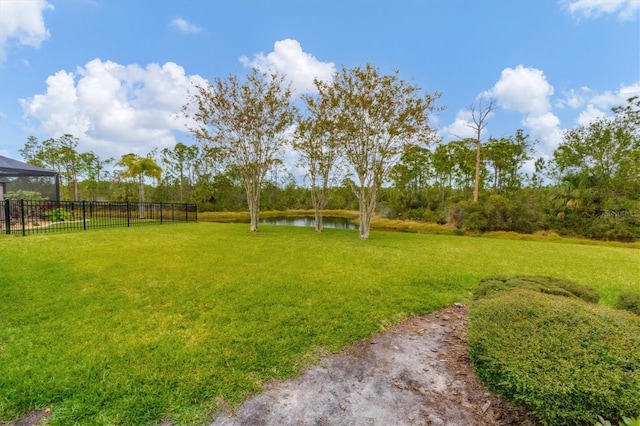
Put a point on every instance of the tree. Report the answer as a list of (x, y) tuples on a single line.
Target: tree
[(607, 151), (137, 168), (32, 152), (376, 116), (60, 155), (72, 165), (318, 148), (443, 164), (180, 164), (246, 123), (479, 117), (599, 165), (93, 168), (411, 176), (464, 155), (506, 156)]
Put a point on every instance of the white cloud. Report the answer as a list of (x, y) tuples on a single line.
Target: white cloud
[(184, 26), (526, 90), (599, 104), (545, 128), (114, 109), (591, 9), (22, 24), (591, 113), (575, 98), (610, 99), (299, 67)]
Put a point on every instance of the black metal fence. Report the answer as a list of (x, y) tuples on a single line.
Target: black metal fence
[(31, 216)]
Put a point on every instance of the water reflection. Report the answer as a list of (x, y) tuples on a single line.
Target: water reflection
[(328, 222)]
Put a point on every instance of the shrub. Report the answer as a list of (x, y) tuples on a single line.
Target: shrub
[(548, 285), (629, 301), (626, 421), (21, 194), (566, 360), (58, 215)]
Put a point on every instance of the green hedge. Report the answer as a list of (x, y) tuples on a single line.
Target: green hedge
[(548, 285), (629, 301), (566, 360)]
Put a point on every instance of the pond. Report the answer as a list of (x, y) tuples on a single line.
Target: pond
[(327, 221)]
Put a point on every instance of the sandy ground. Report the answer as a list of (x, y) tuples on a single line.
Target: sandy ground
[(416, 373)]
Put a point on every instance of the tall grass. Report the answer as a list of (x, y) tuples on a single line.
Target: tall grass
[(133, 326)]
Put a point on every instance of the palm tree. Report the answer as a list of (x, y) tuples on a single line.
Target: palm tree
[(136, 167)]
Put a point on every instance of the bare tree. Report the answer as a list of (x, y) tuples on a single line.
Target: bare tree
[(376, 116), (245, 124), (479, 116)]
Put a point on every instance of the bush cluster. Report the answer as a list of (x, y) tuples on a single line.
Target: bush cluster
[(566, 360), (548, 285), (629, 301)]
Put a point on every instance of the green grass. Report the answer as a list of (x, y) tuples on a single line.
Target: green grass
[(132, 326)]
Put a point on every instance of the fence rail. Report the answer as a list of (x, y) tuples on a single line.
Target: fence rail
[(34, 216)]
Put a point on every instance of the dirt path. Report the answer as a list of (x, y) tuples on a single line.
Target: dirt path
[(417, 373)]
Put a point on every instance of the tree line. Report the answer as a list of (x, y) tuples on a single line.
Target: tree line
[(365, 142)]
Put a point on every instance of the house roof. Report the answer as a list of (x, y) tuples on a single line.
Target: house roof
[(11, 167)]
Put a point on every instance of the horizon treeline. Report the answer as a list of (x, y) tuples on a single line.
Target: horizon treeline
[(590, 187)]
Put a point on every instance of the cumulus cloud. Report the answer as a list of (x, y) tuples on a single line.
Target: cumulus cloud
[(590, 114), (112, 108), (22, 24), (599, 104), (526, 90), (608, 99), (184, 26), (591, 9), (546, 128), (298, 66)]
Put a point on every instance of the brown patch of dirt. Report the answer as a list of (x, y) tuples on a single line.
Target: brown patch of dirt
[(34, 418), (418, 372)]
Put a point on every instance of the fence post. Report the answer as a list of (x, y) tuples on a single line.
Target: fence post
[(84, 215), (7, 215), (128, 215), (22, 216), (160, 212)]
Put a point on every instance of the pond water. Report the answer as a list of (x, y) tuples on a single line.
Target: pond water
[(327, 221)]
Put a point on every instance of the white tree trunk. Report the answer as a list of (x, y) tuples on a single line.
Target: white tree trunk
[(253, 200), (367, 198), (254, 212), (317, 200), (318, 217)]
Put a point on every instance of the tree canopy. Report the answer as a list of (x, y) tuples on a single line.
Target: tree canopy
[(245, 123)]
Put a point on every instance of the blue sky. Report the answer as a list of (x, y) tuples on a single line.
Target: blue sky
[(114, 73)]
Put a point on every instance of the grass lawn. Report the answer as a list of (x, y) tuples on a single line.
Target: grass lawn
[(132, 326)]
